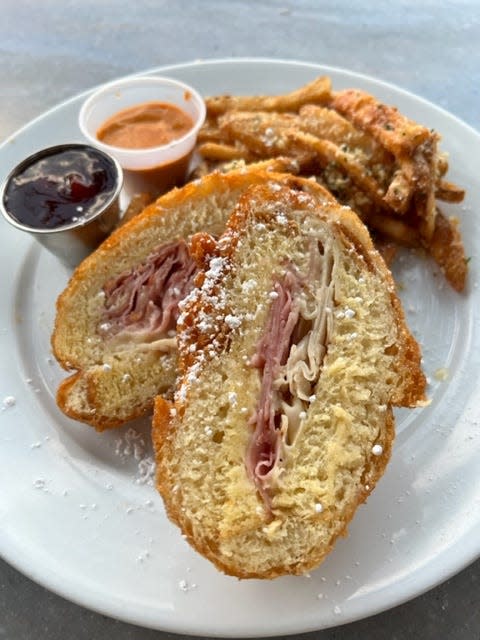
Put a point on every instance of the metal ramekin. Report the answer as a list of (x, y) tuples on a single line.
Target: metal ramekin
[(72, 242)]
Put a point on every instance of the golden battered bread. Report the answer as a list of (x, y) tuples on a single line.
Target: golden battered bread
[(292, 350)]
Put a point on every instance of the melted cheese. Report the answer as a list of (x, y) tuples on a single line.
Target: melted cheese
[(298, 377)]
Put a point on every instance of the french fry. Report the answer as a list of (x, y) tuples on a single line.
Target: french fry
[(424, 175), (394, 229), (317, 92), (327, 123), (210, 132), (328, 152), (330, 125), (280, 164), (223, 152), (449, 192), (265, 134), (400, 191), (446, 248), (442, 164), (391, 129)]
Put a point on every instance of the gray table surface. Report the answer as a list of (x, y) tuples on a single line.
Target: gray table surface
[(53, 49)]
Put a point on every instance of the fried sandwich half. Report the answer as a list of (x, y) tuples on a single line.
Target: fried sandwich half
[(293, 349)]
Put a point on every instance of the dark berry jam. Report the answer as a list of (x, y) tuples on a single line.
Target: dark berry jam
[(60, 186)]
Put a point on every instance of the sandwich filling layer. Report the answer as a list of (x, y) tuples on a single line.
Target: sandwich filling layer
[(141, 304), (289, 358)]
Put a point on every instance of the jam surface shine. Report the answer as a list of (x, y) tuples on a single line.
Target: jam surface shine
[(60, 188)]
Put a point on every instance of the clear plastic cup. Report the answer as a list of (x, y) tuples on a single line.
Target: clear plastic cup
[(163, 164)]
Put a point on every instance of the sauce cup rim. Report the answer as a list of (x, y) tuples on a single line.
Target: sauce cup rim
[(139, 80)]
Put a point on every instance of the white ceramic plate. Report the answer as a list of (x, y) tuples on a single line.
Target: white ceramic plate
[(75, 515)]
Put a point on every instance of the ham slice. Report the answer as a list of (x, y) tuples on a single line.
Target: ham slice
[(272, 353), (144, 300)]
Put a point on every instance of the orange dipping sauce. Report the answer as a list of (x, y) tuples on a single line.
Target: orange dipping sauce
[(151, 124)]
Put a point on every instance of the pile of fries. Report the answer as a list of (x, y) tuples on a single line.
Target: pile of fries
[(373, 159)]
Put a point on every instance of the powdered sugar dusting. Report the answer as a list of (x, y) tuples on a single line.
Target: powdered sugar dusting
[(146, 471), (133, 445), (208, 326), (185, 586), (249, 285), (9, 401), (216, 268), (233, 321)]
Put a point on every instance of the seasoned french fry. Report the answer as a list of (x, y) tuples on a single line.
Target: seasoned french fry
[(391, 129), (442, 164), (400, 191), (424, 175), (449, 192), (210, 133), (280, 164), (318, 92), (330, 125), (223, 152), (328, 152), (265, 134), (395, 230), (268, 126), (446, 248)]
